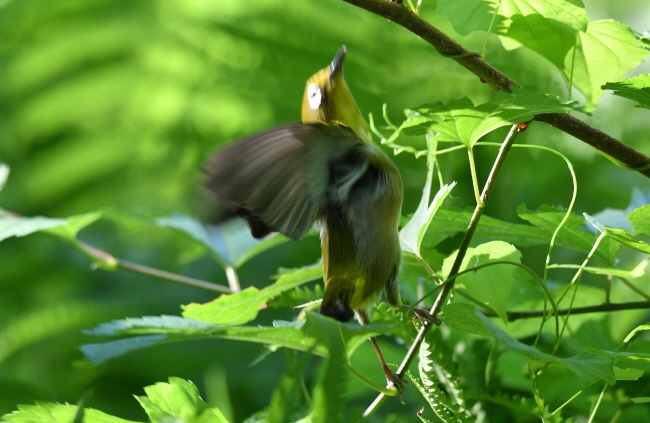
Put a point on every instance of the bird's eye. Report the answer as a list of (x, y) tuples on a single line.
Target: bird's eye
[(314, 96)]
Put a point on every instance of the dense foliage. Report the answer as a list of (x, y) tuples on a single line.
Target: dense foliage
[(108, 110)]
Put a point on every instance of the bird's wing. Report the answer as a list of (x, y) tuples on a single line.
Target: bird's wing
[(279, 178)]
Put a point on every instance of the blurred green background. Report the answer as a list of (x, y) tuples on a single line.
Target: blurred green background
[(118, 103)]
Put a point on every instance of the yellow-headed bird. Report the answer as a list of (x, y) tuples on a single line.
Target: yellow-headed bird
[(325, 170)]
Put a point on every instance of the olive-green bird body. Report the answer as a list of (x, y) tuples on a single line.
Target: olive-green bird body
[(325, 170)]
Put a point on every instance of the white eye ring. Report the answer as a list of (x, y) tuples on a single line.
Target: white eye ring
[(314, 96)]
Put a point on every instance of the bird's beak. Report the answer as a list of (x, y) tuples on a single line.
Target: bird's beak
[(336, 67)]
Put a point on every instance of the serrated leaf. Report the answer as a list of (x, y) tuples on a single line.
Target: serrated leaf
[(100, 353), (178, 400), (68, 228), (305, 336), (607, 50), (242, 307), (491, 284), (640, 219), (636, 88), (55, 413)]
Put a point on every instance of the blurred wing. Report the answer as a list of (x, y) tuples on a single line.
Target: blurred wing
[(278, 180)]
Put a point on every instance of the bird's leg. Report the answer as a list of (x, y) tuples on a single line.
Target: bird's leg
[(391, 377)]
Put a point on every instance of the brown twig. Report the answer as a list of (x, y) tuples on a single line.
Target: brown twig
[(403, 16)]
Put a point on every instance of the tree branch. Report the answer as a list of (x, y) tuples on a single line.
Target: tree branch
[(446, 46)]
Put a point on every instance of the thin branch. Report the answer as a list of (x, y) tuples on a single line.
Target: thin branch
[(462, 250), (95, 253), (446, 46)]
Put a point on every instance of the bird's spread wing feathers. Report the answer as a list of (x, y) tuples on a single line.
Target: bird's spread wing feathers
[(280, 178)]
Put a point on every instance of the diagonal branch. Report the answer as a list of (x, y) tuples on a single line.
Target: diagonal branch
[(403, 16)]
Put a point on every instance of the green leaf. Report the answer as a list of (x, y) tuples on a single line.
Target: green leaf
[(491, 284), (74, 224), (469, 15), (636, 88), (11, 225), (448, 403), (178, 400), (573, 233), (628, 374), (242, 307), (462, 316), (640, 219), (590, 366), (548, 27), (608, 50), (448, 222), (55, 413), (230, 241), (625, 237), (413, 232), (461, 121), (308, 336)]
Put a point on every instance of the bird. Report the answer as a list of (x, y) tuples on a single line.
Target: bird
[(325, 170)]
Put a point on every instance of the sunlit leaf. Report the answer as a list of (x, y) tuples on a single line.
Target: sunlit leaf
[(548, 27), (68, 228), (470, 15), (461, 121), (413, 232), (45, 412), (307, 336), (608, 50), (178, 400), (242, 307), (640, 219), (636, 88)]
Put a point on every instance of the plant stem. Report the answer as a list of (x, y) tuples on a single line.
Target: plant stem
[(447, 287), (94, 252)]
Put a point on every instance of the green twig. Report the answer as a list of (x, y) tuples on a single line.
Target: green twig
[(103, 256)]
